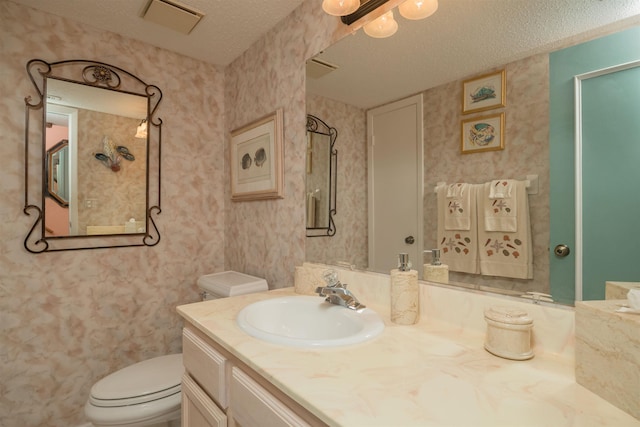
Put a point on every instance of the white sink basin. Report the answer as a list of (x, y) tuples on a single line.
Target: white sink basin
[(308, 321)]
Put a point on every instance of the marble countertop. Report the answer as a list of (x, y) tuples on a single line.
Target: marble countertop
[(428, 374)]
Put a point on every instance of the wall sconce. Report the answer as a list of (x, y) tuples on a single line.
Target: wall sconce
[(385, 25), (141, 130)]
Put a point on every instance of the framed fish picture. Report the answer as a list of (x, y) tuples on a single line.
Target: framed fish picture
[(484, 92), (482, 134), (257, 159)]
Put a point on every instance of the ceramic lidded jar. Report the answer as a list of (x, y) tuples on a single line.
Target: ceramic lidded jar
[(508, 333)]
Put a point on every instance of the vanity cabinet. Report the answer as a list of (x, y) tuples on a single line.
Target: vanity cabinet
[(220, 390), (198, 410)]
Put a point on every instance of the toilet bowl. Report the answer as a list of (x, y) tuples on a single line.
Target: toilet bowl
[(148, 393), (144, 394)]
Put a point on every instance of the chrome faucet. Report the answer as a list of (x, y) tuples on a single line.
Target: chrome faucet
[(337, 293)]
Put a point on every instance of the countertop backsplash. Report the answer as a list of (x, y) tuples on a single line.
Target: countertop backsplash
[(553, 325)]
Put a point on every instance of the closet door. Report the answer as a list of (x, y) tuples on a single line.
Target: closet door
[(395, 186)]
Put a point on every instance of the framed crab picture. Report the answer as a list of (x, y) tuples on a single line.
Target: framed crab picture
[(482, 134), (256, 159), (484, 92)]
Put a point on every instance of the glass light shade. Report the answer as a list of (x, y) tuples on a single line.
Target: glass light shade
[(384, 26), (141, 131), (418, 9), (340, 7)]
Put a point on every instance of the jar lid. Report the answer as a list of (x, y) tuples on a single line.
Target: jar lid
[(509, 315)]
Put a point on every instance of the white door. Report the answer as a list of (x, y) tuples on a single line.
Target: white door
[(395, 186)]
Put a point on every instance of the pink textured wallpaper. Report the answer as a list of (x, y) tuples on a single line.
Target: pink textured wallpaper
[(69, 318), (120, 195), (267, 238), (526, 152)]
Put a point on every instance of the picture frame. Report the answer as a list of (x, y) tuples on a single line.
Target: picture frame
[(486, 92), (256, 164), (482, 134)]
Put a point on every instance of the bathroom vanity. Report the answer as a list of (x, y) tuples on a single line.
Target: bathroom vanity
[(429, 374), (218, 389)]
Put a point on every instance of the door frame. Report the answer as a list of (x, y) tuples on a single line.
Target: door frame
[(577, 81), (72, 118)]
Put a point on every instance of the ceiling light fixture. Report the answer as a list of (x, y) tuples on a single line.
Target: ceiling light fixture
[(340, 7), (384, 26), (418, 9)]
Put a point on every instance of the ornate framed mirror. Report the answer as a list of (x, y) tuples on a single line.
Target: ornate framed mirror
[(321, 187), (93, 135)]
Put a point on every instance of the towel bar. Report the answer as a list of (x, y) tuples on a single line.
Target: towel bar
[(531, 183)]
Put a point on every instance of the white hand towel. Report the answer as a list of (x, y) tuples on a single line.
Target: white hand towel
[(500, 202), (457, 215), (504, 253), (501, 188), (458, 248), (456, 190)]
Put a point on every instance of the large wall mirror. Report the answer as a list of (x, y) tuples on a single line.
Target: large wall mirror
[(435, 58), (99, 135)]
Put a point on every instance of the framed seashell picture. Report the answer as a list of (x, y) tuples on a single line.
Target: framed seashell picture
[(482, 134), (485, 92), (256, 159)]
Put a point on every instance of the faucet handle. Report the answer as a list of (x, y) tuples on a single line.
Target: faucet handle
[(331, 277)]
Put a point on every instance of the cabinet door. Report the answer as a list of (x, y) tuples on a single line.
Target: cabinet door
[(206, 365), (198, 410), (253, 406)]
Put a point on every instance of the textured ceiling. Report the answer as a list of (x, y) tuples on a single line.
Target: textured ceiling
[(228, 28), (462, 38)]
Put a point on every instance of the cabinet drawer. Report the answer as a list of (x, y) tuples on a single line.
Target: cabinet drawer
[(207, 365), (197, 409), (253, 406)]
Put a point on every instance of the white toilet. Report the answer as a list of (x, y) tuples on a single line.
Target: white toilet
[(147, 394)]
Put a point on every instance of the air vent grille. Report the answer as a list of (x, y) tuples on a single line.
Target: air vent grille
[(173, 15)]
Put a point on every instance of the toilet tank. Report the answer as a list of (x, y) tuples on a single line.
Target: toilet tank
[(229, 284)]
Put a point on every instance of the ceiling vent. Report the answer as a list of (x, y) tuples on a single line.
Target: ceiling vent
[(317, 68), (173, 15)]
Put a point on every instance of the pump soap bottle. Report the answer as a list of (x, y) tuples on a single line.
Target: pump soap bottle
[(436, 271), (405, 293)]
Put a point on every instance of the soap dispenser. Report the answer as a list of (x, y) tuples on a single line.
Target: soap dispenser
[(436, 271), (405, 293)]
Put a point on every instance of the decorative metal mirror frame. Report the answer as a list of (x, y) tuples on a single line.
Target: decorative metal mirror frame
[(105, 76), (317, 125)]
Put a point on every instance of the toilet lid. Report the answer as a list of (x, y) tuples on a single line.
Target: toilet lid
[(145, 381)]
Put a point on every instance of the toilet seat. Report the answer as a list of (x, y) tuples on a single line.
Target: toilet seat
[(143, 391)]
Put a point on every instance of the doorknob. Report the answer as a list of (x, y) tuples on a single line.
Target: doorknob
[(409, 240), (561, 251)]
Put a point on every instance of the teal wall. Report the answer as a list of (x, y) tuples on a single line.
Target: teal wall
[(563, 66)]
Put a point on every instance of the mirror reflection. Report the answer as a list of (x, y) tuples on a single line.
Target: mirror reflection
[(526, 153), (105, 168), (320, 182), (58, 172)]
